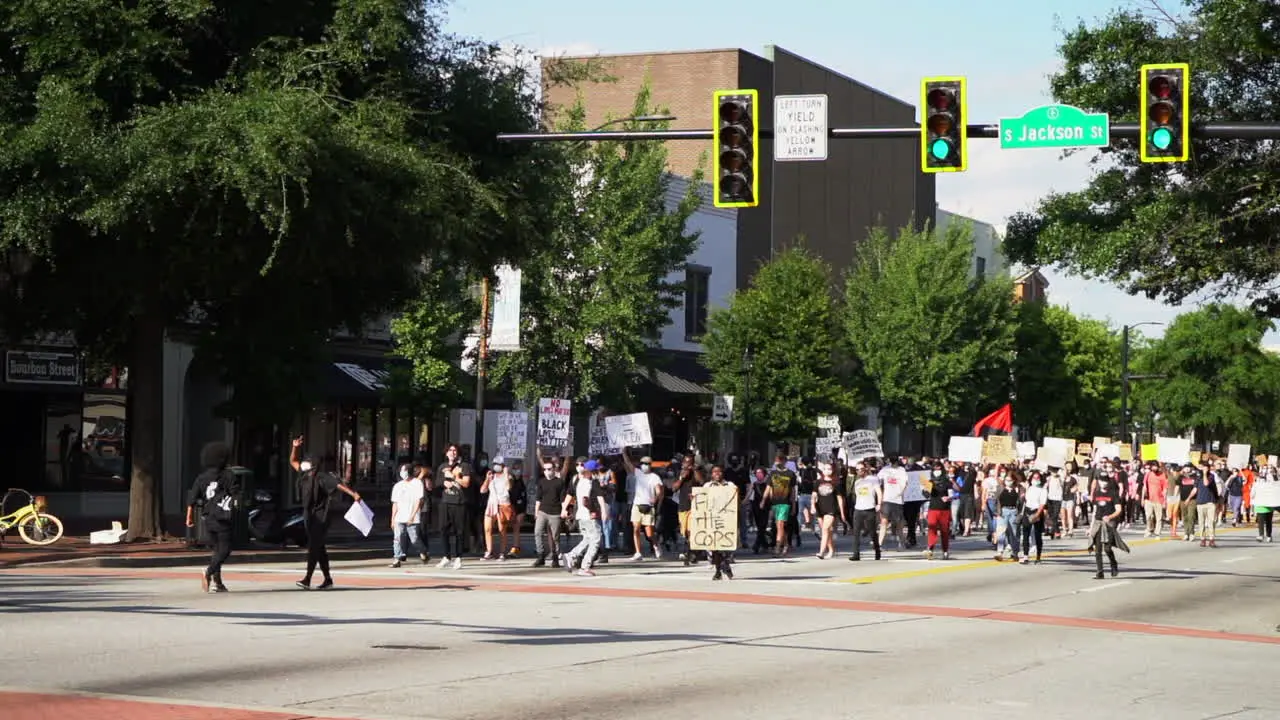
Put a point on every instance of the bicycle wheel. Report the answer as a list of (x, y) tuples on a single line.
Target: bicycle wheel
[(40, 529)]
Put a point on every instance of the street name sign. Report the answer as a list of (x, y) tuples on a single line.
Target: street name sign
[(800, 127), (1055, 126)]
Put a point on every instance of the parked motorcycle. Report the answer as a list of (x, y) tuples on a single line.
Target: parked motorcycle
[(269, 524)]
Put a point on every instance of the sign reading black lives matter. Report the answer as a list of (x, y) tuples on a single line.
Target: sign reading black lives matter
[(860, 445), (41, 368), (553, 422), (713, 518)]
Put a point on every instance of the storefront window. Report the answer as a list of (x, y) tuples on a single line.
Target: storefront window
[(404, 435), (364, 448), (61, 442), (384, 457), (98, 456)]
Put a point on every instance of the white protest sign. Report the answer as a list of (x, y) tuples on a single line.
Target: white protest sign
[(599, 442), (964, 448), (1108, 451), (722, 408), (513, 434), (829, 422), (1238, 456), (1173, 450), (553, 422), (1027, 450), (860, 445), (1266, 494), (630, 430)]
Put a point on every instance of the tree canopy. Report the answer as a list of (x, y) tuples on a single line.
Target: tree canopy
[(254, 175), (1171, 230), (1066, 372), (788, 318), (596, 297), (934, 341), (1217, 378)]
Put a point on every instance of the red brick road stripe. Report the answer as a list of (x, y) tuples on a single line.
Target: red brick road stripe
[(586, 590), (40, 706)]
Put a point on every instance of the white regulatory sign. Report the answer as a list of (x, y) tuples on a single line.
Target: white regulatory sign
[(800, 127)]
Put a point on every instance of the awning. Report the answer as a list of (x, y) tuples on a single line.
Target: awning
[(677, 373), (357, 377), (673, 384)]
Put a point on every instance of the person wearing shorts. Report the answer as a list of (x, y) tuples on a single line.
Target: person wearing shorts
[(780, 494)]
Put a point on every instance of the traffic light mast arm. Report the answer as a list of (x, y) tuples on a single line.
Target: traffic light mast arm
[(1245, 130)]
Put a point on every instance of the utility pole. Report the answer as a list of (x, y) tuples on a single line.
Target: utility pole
[(482, 367), (1125, 378)]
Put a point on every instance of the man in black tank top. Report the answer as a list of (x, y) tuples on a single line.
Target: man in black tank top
[(1103, 534)]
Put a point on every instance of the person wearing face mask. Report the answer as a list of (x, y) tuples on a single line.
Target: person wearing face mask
[(759, 509), (1104, 536), (1007, 522), (1034, 507), (406, 516), (317, 487), (942, 493), (547, 518), (646, 497)]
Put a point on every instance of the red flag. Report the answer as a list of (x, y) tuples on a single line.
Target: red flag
[(1000, 420)]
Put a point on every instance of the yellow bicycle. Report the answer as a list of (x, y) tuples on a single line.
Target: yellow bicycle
[(35, 525)]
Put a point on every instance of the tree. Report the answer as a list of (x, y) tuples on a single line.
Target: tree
[(428, 333), (1218, 379), (1170, 230), (788, 318), (253, 175), (595, 299), (935, 342), (1066, 372)]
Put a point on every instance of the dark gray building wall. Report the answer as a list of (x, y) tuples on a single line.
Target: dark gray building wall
[(755, 225), (862, 184)]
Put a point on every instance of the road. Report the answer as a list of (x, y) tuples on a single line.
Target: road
[(797, 638)]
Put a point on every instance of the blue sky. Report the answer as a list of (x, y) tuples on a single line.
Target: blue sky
[(1006, 49)]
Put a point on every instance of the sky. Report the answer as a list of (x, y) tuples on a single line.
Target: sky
[(1005, 48)]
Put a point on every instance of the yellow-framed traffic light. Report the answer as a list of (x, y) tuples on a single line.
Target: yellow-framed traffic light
[(736, 148), (1166, 113), (944, 133)]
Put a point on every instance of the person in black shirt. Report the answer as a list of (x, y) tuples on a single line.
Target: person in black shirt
[(546, 522), (1103, 535), (808, 478), (215, 490), (519, 495), (941, 494), (736, 473), (317, 487)]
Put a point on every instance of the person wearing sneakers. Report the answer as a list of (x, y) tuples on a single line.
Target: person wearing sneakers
[(646, 494), (215, 489), (317, 487), (941, 493), (453, 514), (406, 516), (1207, 508), (586, 498)]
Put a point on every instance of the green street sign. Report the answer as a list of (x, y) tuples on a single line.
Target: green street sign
[(1055, 126)]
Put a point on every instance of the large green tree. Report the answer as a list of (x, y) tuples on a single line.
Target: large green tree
[(935, 341), (1170, 230), (1066, 372), (252, 174), (1217, 381), (596, 297), (789, 320)]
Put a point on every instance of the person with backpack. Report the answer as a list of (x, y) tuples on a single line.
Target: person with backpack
[(318, 488), (216, 489)]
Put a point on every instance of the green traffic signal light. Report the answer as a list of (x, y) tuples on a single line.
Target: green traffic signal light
[(940, 149), (1162, 138)]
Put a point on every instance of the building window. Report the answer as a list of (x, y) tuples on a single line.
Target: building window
[(981, 267), (696, 299)]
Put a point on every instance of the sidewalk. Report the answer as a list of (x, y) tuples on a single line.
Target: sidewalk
[(77, 552)]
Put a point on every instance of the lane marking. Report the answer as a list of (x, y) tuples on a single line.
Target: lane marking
[(1229, 561), (1096, 588), (599, 591)]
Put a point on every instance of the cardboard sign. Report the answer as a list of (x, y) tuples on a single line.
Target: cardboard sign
[(999, 450), (553, 422), (513, 435), (713, 518), (630, 430), (860, 445)]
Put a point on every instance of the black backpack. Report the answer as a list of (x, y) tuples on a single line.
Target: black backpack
[(220, 496)]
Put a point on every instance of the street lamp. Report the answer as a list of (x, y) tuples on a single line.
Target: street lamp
[(748, 362), (1125, 378), (482, 344)]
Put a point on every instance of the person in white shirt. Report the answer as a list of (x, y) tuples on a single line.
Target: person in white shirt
[(586, 497), (1034, 506), (894, 479), (406, 514), (646, 496), (1053, 509)]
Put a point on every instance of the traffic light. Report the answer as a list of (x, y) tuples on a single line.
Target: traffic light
[(1166, 117), (943, 133), (737, 124)]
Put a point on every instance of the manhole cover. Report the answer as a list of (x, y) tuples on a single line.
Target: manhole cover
[(408, 647)]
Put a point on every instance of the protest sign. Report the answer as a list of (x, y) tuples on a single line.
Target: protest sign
[(713, 518), (999, 449), (964, 448), (1173, 450), (829, 422), (630, 430), (1027, 450), (513, 434), (599, 442), (553, 422), (1238, 456), (860, 445)]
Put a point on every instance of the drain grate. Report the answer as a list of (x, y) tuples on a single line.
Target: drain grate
[(408, 647)]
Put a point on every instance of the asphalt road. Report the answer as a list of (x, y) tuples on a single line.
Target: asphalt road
[(1183, 632)]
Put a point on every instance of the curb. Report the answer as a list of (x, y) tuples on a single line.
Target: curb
[(188, 558)]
